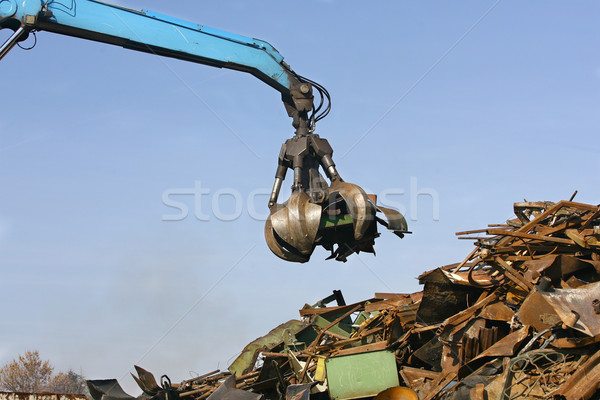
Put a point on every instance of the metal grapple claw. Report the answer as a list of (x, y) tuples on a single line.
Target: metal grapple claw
[(338, 216), (344, 223)]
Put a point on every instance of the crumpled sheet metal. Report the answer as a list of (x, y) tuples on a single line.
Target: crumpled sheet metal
[(497, 311), (282, 333), (537, 312), (557, 266), (109, 389), (575, 307), (483, 277), (507, 346), (146, 381), (298, 392), (228, 391)]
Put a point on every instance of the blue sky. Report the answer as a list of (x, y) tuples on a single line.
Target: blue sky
[(427, 98)]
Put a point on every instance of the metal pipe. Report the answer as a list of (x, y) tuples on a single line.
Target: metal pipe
[(10, 43), (333, 174), (297, 177), (275, 191)]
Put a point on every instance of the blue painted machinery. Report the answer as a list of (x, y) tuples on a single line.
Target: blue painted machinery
[(337, 215)]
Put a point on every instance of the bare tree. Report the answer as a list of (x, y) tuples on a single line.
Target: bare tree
[(68, 382), (28, 374)]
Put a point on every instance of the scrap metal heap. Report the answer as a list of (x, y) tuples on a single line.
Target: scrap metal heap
[(518, 318)]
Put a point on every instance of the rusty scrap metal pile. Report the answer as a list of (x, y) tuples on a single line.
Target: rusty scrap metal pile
[(518, 318)]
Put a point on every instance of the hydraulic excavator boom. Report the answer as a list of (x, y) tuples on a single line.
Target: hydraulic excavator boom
[(317, 213)]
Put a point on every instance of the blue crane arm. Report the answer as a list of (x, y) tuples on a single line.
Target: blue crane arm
[(158, 34)]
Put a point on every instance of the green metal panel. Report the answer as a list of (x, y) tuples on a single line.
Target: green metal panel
[(245, 361), (364, 315), (330, 222), (361, 375), (340, 328)]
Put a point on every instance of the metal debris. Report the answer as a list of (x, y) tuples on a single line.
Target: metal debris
[(517, 318)]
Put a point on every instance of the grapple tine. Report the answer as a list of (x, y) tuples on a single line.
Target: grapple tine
[(296, 222), (360, 208), (395, 220), (277, 246), (146, 381)]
